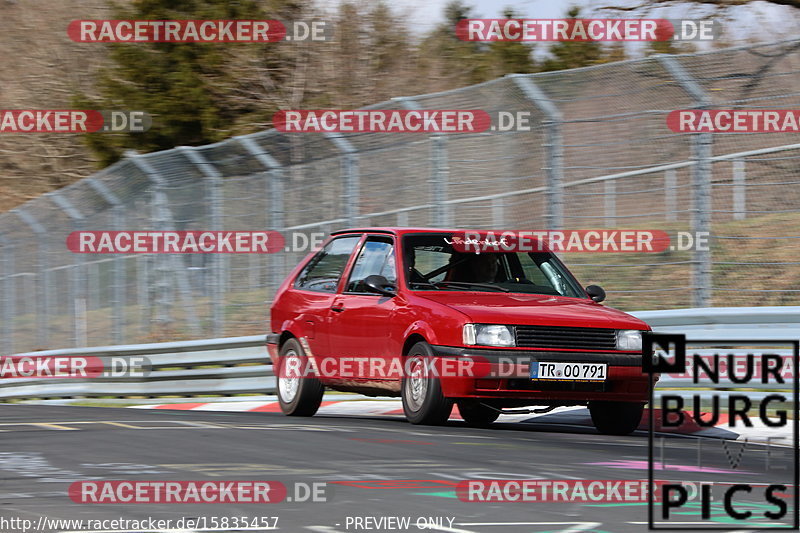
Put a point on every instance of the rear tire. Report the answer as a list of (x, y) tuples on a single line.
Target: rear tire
[(616, 418), (476, 414), (300, 395), (423, 401)]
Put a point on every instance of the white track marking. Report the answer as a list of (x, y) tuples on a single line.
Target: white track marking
[(573, 527)]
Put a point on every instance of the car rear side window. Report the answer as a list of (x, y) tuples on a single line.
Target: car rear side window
[(325, 269), (376, 257)]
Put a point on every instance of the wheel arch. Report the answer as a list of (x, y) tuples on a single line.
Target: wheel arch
[(418, 331), (411, 340), (285, 336)]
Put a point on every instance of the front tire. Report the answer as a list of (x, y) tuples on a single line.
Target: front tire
[(423, 401), (476, 414), (616, 418), (298, 393)]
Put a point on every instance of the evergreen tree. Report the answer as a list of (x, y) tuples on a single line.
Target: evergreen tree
[(573, 54), (185, 87), (510, 57)]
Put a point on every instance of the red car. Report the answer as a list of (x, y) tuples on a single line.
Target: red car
[(413, 313)]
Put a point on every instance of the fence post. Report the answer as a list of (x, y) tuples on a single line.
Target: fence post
[(351, 195), (118, 291), (439, 175), (162, 217), (610, 203), (554, 148), (274, 192), (216, 209), (701, 181), (7, 256), (142, 293), (498, 213), (671, 194), (43, 289), (739, 190), (402, 219), (78, 292), (440, 170)]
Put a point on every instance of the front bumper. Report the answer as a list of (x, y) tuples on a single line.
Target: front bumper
[(505, 374), (273, 340)]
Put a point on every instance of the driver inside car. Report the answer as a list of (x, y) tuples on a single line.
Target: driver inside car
[(477, 268)]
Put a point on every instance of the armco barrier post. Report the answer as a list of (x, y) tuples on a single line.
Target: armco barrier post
[(78, 283), (274, 180), (216, 208), (7, 256), (701, 181), (118, 276), (43, 289), (554, 148)]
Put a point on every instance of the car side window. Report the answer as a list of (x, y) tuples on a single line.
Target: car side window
[(325, 269), (376, 258)]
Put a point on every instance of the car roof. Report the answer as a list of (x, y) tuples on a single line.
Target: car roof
[(400, 231), (404, 230)]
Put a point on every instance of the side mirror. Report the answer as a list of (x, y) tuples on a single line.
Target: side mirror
[(596, 293), (380, 284)]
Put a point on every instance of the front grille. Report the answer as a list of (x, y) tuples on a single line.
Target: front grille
[(564, 337)]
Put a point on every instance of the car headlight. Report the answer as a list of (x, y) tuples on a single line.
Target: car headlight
[(629, 340), (488, 335)]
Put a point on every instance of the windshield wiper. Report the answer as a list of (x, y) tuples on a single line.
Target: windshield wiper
[(470, 284)]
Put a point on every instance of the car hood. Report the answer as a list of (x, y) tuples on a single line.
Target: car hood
[(534, 309)]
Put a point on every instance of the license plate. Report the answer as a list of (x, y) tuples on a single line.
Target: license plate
[(568, 371)]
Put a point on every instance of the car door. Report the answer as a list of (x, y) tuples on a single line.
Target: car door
[(315, 289), (361, 322)]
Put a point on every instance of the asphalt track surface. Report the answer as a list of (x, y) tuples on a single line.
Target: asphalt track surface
[(372, 467)]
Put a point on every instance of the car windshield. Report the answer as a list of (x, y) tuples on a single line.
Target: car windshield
[(431, 263)]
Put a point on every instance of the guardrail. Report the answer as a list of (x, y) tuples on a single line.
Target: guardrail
[(240, 365), (725, 323), (217, 367)]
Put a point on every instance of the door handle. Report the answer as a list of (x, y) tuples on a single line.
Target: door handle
[(337, 307)]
